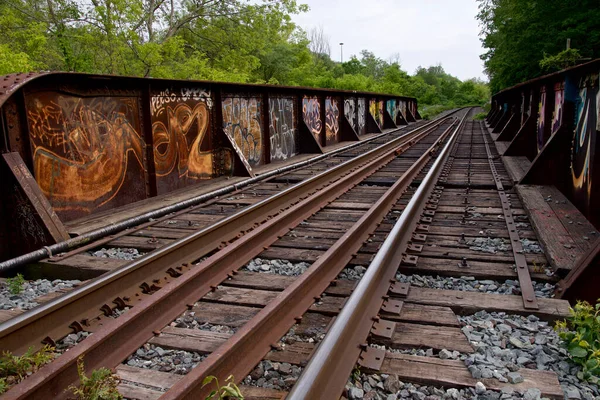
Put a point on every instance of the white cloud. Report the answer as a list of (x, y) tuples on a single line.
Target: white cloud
[(423, 32)]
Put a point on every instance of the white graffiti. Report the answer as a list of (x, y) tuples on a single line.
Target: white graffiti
[(362, 108), (282, 134), (350, 112), (159, 101)]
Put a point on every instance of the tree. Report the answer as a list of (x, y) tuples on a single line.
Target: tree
[(519, 33)]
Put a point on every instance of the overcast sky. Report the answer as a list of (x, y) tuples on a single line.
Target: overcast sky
[(423, 32)]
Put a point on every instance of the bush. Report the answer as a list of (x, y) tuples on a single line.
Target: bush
[(583, 341)]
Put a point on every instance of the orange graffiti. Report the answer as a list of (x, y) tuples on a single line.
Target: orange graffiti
[(170, 143), (80, 149)]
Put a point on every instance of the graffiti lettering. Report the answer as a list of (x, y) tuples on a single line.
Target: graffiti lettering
[(391, 109), (540, 122), (557, 113), (80, 149), (171, 143), (242, 122), (350, 112), (311, 114), (362, 111), (584, 139), (282, 132), (159, 101), (332, 121)]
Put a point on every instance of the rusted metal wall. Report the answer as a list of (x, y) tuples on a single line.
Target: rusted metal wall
[(561, 139), (96, 142)]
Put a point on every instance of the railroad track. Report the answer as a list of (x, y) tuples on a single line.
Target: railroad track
[(184, 271), (449, 217)]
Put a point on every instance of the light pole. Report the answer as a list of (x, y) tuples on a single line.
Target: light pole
[(341, 52)]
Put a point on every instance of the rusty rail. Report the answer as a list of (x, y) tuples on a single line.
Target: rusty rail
[(116, 339), (327, 372), (527, 291)]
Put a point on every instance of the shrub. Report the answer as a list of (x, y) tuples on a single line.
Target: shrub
[(583, 341)]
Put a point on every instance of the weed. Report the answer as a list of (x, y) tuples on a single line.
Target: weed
[(479, 116), (583, 343), (15, 285), (13, 369), (356, 373), (100, 385), (229, 391)]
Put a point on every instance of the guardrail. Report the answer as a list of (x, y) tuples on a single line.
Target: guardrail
[(77, 144), (554, 121)]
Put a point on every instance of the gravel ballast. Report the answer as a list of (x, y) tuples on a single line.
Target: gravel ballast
[(31, 290)]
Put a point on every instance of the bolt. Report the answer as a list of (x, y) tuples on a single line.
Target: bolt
[(463, 262)]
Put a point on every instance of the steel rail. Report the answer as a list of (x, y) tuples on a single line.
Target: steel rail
[(110, 344), (67, 245), (51, 320), (527, 291), (248, 345), (330, 365)]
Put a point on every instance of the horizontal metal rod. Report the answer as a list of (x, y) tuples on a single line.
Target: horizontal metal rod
[(327, 367), (70, 244)]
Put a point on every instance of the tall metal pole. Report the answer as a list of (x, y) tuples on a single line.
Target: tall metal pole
[(341, 52)]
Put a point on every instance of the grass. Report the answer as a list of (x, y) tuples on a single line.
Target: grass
[(479, 116)]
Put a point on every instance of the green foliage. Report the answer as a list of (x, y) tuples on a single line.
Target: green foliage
[(562, 60), (15, 284), (228, 40), (429, 112), (13, 369), (229, 391), (519, 33), (479, 116), (583, 341), (100, 385)]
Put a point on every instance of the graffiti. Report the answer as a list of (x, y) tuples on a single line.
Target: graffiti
[(557, 113), (376, 110), (350, 112), (413, 108), (540, 122), (391, 109), (282, 131), (402, 108), (362, 111), (242, 122), (167, 96), (332, 121), (171, 142), (584, 139), (311, 114), (81, 150)]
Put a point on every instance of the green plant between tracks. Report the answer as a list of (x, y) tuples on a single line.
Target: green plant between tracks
[(229, 391), (581, 337), (15, 284), (100, 385), (13, 369)]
